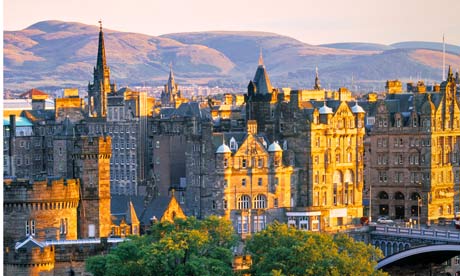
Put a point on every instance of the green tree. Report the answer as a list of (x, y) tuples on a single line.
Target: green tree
[(283, 250), (185, 247)]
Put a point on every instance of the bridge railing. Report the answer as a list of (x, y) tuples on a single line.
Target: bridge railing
[(428, 233)]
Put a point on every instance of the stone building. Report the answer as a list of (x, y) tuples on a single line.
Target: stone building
[(123, 115), (175, 133), (251, 180), (45, 210), (171, 96), (322, 137), (327, 142), (414, 155)]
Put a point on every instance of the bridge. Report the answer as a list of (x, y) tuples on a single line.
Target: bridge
[(409, 249)]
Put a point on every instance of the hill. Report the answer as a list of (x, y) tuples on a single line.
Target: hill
[(62, 54)]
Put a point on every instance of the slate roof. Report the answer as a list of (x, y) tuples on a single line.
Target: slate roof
[(186, 110), (28, 243), (157, 207), (262, 81)]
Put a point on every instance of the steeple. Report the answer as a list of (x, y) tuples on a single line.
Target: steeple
[(98, 90), (171, 81), (170, 92), (101, 60), (261, 79), (317, 83), (261, 59)]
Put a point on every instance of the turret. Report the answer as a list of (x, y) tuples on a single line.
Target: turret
[(276, 154), (359, 113), (325, 114)]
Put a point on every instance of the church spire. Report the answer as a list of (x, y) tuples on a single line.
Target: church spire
[(98, 90), (101, 60), (261, 59)]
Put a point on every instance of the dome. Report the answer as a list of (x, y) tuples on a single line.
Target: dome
[(357, 108), (325, 109), (223, 149), (274, 147)]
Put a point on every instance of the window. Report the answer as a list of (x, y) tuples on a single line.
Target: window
[(225, 183), (32, 227), (243, 182), (259, 223), (27, 228), (260, 162), (225, 162), (225, 204), (214, 205), (260, 202), (244, 202), (242, 225), (243, 163), (259, 181), (383, 195), (275, 203), (383, 209)]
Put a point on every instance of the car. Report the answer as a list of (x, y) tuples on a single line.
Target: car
[(385, 220)]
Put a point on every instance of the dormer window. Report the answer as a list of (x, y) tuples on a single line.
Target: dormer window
[(233, 144)]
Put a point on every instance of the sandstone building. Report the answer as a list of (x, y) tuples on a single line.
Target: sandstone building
[(414, 155)]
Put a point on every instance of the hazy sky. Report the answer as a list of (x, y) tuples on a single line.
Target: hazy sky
[(311, 21)]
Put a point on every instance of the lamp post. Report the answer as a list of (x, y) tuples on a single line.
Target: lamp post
[(419, 205), (370, 201)]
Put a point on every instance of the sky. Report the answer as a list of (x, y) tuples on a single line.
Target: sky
[(311, 21)]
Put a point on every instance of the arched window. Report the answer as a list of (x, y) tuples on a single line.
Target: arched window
[(260, 202), (233, 144), (383, 195), (414, 196), (244, 202), (399, 196)]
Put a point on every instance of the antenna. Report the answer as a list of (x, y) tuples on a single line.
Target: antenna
[(443, 58)]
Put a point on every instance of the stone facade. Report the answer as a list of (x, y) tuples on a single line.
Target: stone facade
[(46, 210), (413, 168), (93, 163)]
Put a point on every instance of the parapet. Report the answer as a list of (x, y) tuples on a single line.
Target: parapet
[(24, 190)]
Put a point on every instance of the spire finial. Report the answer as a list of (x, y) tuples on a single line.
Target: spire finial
[(100, 25), (261, 59)]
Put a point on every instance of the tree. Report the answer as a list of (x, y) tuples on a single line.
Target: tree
[(185, 247), (283, 250)]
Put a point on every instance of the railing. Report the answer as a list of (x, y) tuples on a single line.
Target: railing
[(421, 233), (82, 241)]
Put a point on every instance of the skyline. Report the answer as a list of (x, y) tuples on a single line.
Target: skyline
[(308, 21)]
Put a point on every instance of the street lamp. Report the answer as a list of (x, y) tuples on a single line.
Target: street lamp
[(370, 202), (419, 205)]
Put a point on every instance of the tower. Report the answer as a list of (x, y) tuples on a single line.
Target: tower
[(101, 86), (170, 93), (261, 100), (92, 155)]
